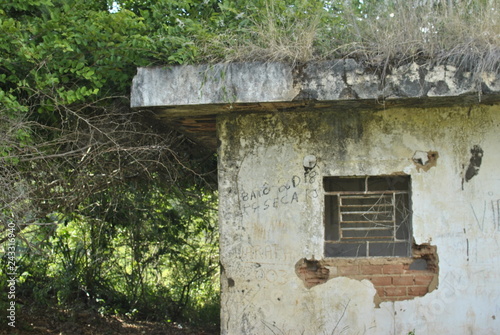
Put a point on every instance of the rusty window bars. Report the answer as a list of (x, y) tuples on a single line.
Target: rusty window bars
[(367, 216)]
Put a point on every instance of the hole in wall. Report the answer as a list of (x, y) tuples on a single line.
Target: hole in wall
[(394, 278), (312, 272), (424, 160)]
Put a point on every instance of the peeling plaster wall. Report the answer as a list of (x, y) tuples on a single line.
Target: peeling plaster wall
[(271, 217)]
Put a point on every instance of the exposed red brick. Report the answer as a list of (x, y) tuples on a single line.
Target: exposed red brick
[(395, 291), (392, 278), (348, 270), (393, 268), (381, 281), (312, 272), (403, 280), (417, 291), (370, 269), (423, 280), (380, 291)]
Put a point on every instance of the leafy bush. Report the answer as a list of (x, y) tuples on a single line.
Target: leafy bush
[(159, 264)]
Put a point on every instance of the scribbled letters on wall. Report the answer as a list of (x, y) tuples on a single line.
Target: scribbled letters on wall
[(273, 196)]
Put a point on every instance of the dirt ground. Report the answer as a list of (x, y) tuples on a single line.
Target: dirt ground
[(58, 322)]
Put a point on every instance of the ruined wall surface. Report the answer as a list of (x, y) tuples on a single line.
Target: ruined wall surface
[(275, 278)]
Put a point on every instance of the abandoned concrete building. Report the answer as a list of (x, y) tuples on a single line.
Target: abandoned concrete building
[(352, 200)]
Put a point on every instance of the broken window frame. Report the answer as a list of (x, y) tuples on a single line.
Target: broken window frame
[(367, 216)]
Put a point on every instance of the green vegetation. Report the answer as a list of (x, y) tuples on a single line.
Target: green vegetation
[(116, 213), (111, 212)]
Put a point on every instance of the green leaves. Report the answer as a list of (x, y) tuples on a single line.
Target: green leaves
[(25, 5), (68, 54), (71, 154)]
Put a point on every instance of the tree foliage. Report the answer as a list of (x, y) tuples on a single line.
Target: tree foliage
[(112, 211)]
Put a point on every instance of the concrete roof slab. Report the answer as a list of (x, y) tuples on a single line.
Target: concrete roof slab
[(195, 94)]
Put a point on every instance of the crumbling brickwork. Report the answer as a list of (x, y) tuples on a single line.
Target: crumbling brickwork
[(312, 272), (394, 278)]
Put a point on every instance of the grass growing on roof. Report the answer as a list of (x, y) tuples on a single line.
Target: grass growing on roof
[(464, 33)]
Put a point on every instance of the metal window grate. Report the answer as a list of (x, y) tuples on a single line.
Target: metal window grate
[(366, 217)]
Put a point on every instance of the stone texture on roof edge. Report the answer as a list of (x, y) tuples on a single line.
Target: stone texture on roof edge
[(337, 80)]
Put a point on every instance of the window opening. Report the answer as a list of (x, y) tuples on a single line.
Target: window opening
[(367, 216)]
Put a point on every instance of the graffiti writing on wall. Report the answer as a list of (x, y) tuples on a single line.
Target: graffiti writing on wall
[(267, 254), (269, 196), (480, 214), (265, 262), (453, 286), (272, 276)]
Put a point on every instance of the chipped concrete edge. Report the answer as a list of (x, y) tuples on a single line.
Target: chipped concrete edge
[(336, 80)]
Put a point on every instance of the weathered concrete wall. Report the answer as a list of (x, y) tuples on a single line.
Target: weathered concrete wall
[(271, 218)]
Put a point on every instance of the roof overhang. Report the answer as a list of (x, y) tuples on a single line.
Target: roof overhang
[(190, 97)]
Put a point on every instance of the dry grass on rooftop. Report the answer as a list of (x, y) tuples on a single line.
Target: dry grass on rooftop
[(464, 33)]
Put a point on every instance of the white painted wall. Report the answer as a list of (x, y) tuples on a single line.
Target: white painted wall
[(271, 217)]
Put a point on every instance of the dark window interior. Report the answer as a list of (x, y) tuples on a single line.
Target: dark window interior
[(367, 216)]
